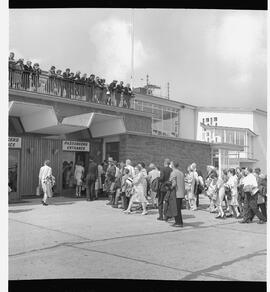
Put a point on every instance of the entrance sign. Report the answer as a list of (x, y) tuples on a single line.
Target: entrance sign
[(14, 142), (76, 146)]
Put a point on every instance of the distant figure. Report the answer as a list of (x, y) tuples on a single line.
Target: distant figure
[(78, 174), (91, 179), (46, 180), (164, 178)]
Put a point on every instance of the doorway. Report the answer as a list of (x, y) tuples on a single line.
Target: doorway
[(112, 150), (13, 174), (69, 160)]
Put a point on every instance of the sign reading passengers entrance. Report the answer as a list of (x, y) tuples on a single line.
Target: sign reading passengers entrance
[(76, 146), (14, 142)]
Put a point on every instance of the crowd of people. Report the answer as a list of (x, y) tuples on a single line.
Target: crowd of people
[(241, 193), (67, 84)]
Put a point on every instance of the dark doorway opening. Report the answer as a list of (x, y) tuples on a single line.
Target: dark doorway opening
[(112, 150)]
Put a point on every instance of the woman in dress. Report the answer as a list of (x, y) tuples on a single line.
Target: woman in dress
[(211, 187), (189, 187), (78, 174), (232, 184), (138, 189), (221, 183)]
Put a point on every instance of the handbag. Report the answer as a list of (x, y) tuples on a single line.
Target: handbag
[(38, 190)]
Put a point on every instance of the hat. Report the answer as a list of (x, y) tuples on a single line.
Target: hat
[(52, 67), (67, 69), (36, 64), (58, 71)]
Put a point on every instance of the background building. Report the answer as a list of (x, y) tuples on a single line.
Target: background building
[(238, 136)]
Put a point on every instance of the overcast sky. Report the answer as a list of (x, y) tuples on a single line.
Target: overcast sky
[(210, 57)]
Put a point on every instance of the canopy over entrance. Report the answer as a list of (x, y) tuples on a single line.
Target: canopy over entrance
[(100, 125), (42, 119)]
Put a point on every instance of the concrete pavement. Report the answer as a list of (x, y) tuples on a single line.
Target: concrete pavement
[(73, 238)]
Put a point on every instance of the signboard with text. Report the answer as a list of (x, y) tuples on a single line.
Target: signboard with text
[(76, 146), (14, 142)]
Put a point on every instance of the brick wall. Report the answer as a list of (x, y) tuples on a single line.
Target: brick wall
[(156, 149)]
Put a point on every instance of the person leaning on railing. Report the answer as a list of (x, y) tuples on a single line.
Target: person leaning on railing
[(35, 76), (118, 92), (11, 68), (27, 72), (77, 86), (51, 81), (66, 83), (17, 74), (90, 87), (112, 88), (104, 96), (59, 82), (98, 90), (83, 85), (127, 95), (72, 84)]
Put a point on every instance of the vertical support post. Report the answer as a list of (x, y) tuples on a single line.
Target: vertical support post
[(219, 162)]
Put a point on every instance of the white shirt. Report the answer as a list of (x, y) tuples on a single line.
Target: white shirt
[(153, 174), (131, 170), (250, 180), (44, 172)]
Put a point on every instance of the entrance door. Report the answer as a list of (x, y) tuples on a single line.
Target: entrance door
[(112, 150), (69, 160), (13, 174)]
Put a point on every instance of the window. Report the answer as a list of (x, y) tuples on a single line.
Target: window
[(215, 119), (215, 124), (216, 139), (207, 120), (203, 121), (211, 121)]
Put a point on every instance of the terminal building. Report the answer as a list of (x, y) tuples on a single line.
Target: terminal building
[(44, 125)]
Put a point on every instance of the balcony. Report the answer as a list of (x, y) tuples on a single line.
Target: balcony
[(65, 88)]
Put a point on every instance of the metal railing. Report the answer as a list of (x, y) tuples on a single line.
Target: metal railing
[(66, 88)]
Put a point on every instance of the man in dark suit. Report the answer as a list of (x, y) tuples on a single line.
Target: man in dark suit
[(163, 179), (91, 178)]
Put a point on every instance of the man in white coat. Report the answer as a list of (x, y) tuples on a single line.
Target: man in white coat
[(44, 173)]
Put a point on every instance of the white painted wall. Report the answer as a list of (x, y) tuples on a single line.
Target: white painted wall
[(187, 123), (260, 142), (226, 119)]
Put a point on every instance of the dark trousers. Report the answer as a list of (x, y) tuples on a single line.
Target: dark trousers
[(161, 197), (197, 199), (90, 191), (178, 218), (263, 209), (240, 200), (126, 200), (251, 208)]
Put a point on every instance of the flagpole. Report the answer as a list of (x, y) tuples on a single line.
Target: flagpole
[(132, 49)]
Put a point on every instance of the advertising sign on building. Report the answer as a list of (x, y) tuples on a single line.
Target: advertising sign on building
[(14, 142), (76, 146)]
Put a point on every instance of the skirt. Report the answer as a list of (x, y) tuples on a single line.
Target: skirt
[(139, 196)]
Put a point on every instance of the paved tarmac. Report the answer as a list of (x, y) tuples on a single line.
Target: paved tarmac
[(73, 238)]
